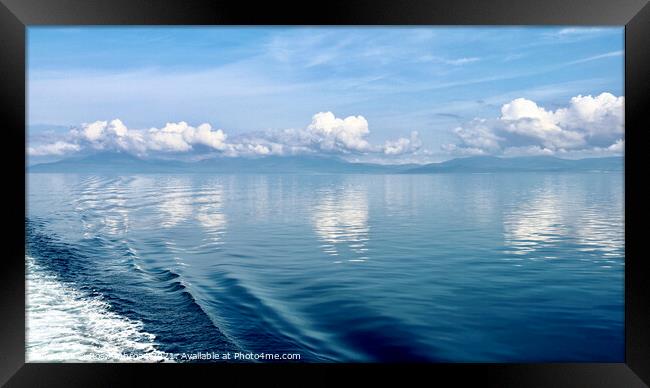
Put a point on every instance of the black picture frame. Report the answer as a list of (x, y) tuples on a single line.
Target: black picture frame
[(17, 15)]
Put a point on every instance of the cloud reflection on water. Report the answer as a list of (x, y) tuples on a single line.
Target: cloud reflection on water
[(175, 203), (208, 206), (535, 223), (340, 220)]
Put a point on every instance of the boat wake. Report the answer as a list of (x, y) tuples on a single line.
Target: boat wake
[(65, 324)]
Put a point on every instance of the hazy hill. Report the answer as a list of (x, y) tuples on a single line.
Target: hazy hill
[(126, 163), (477, 164)]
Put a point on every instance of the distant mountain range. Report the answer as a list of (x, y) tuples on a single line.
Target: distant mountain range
[(126, 163), (484, 164), (122, 163)]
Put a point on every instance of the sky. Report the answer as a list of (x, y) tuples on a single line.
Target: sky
[(378, 94)]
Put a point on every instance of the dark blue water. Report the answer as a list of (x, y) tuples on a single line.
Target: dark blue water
[(453, 268)]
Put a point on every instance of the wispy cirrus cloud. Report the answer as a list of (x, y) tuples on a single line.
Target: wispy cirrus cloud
[(617, 53), (576, 34), (569, 31)]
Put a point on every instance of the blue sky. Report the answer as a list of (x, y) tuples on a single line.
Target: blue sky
[(265, 86)]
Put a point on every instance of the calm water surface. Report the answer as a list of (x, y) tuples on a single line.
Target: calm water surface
[(458, 267)]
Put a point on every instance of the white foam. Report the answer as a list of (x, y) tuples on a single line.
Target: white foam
[(65, 325)]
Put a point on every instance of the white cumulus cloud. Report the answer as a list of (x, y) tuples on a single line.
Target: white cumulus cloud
[(478, 135), (325, 134), (523, 117), (403, 145), (618, 146), (333, 133), (524, 127), (57, 148), (173, 137), (181, 137), (600, 117)]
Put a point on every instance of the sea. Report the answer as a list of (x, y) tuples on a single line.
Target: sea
[(459, 267)]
